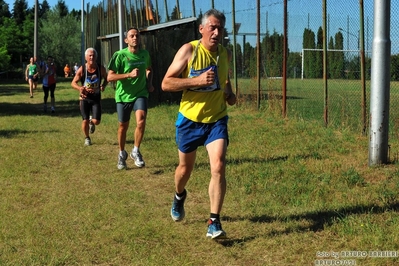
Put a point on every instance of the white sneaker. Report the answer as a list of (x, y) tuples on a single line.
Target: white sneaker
[(92, 127), (122, 161), (87, 141), (138, 159)]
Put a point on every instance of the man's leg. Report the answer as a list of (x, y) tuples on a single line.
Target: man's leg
[(182, 175), (140, 127), (217, 186)]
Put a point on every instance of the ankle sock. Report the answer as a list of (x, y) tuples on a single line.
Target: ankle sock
[(215, 216), (181, 196)]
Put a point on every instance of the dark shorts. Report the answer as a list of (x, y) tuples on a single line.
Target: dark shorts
[(34, 79), (50, 88), (124, 110), (190, 135), (90, 106)]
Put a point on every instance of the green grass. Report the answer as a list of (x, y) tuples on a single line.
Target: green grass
[(295, 188)]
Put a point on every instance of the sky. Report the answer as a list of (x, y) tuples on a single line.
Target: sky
[(303, 14)]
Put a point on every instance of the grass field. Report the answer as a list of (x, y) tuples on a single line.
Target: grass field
[(299, 193)]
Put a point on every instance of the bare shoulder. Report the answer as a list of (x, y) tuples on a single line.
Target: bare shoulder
[(185, 51)]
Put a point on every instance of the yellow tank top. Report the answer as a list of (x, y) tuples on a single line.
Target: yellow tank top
[(206, 105)]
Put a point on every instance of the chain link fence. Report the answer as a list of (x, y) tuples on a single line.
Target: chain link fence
[(305, 95)]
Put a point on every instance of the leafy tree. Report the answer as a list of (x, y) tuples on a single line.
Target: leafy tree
[(61, 8), (43, 8), (20, 11), (294, 65), (17, 39), (309, 56), (4, 57), (64, 50), (339, 57), (330, 59), (4, 11), (175, 14), (318, 71)]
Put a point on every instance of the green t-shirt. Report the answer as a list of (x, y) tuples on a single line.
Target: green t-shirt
[(123, 61), (32, 69)]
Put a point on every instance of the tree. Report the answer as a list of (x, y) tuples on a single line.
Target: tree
[(61, 8), (4, 58), (318, 71), (64, 50), (20, 11), (309, 56), (339, 57), (4, 11), (43, 9), (294, 65)]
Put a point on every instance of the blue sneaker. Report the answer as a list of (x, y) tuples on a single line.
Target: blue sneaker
[(215, 230), (177, 212)]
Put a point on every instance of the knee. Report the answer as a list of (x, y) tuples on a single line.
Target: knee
[(184, 171), (141, 123), (95, 121)]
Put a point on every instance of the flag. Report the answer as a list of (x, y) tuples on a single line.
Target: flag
[(148, 11)]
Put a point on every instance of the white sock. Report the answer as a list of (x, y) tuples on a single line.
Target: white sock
[(135, 149)]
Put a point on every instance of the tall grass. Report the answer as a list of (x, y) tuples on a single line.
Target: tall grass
[(296, 191)]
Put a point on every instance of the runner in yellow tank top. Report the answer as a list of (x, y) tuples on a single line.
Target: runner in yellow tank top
[(200, 70)]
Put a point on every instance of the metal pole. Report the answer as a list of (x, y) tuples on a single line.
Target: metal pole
[(258, 50), (234, 47), (380, 84), (82, 22), (362, 67), (166, 10), (325, 62), (243, 55), (35, 30), (284, 84), (120, 16)]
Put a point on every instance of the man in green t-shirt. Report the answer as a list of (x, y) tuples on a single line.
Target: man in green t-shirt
[(131, 69)]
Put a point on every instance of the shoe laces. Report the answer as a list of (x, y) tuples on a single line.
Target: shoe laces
[(138, 156), (217, 226), (177, 204)]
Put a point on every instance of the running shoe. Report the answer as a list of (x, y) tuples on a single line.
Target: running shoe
[(92, 127), (138, 159), (87, 141), (177, 212), (215, 230), (122, 161)]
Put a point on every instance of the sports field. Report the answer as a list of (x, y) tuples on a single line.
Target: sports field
[(299, 193)]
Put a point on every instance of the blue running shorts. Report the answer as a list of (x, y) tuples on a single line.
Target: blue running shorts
[(190, 135)]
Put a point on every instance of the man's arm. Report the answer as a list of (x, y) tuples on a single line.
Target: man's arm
[(104, 77), (172, 82), (149, 75), (75, 81)]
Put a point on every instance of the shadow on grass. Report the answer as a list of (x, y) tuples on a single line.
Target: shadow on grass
[(13, 133), (317, 220), (63, 108)]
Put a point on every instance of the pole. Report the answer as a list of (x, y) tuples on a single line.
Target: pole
[(325, 63), (258, 50), (35, 44), (82, 44), (362, 67), (120, 16), (234, 47), (284, 84), (380, 84)]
